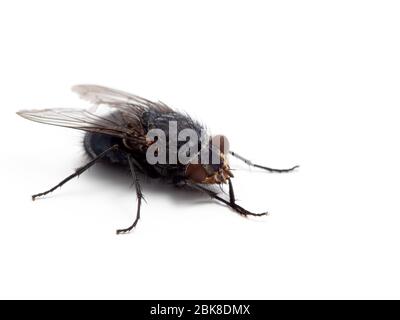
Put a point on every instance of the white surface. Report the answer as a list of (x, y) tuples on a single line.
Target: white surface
[(314, 83)]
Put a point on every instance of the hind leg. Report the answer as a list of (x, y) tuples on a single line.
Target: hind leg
[(78, 172)]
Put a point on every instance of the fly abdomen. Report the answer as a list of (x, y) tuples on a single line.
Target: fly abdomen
[(97, 143)]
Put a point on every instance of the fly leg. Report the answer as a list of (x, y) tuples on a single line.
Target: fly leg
[(78, 172), (261, 167), (138, 194), (231, 203), (236, 207)]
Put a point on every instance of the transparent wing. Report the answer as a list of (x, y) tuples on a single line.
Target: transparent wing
[(124, 122), (118, 99), (79, 119)]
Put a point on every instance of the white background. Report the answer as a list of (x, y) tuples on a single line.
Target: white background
[(314, 83)]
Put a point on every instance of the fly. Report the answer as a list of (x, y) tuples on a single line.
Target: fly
[(136, 133)]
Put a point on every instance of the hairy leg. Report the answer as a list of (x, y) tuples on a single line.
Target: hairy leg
[(78, 172), (138, 194), (231, 203), (261, 167)]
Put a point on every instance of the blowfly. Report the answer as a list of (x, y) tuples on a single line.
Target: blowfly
[(136, 133)]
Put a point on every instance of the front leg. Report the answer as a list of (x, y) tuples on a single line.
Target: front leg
[(248, 162), (236, 207), (231, 203)]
